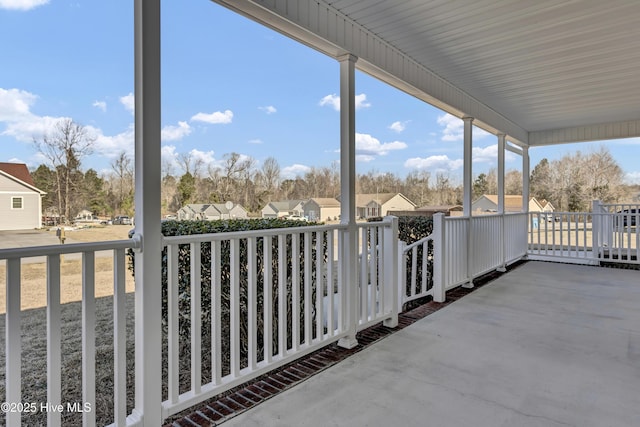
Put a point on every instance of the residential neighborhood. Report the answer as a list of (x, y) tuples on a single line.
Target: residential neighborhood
[(488, 203), (212, 211)]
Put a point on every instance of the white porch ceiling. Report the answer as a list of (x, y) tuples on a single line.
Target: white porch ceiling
[(542, 71)]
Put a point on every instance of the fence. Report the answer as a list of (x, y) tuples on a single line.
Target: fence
[(275, 295), (459, 250), (609, 233), (240, 304), (14, 368)]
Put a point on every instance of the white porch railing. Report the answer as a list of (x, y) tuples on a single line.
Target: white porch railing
[(15, 402), (272, 296), (439, 262), (273, 310), (610, 233)]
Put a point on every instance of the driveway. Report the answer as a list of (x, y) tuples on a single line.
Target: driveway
[(27, 238)]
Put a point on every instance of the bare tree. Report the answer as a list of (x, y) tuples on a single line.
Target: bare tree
[(513, 182), (604, 177), (122, 167), (270, 173), (236, 172), (416, 187), (190, 164), (63, 150)]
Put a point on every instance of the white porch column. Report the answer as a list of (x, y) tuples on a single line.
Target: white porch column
[(525, 179), (349, 259), (148, 378), (467, 180), (501, 147), (468, 193)]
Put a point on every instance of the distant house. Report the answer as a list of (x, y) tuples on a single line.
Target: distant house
[(322, 209), (20, 200), (84, 215), (429, 211), (488, 203), (378, 205), (547, 206), (283, 208), (212, 211)]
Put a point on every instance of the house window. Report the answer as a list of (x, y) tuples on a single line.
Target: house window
[(16, 203)]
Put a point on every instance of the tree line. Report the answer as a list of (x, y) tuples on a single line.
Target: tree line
[(570, 183)]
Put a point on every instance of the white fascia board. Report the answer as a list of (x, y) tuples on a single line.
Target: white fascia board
[(597, 132)]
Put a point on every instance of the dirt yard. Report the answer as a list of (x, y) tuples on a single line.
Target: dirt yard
[(33, 283)]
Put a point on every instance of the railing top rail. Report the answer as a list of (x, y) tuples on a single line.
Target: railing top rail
[(418, 243), (34, 251), (209, 237)]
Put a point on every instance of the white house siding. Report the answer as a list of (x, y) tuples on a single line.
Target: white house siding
[(20, 219), (238, 212), (396, 203), (210, 212), (269, 212), (484, 205), (283, 208), (315, 211)]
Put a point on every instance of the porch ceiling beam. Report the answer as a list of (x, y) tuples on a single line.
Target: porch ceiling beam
[(597, 132), (513, 149)]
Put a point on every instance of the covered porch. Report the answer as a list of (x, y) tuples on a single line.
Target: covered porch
[(546, 344)]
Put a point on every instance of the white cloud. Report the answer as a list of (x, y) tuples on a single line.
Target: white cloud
[(206, 157), (15, 104), (333, 101), (399, 126), (111, 146), (31, 127), (176, 133), (489, 154), (633, 177), (361, 101), (100, 105), (269, 109), (21, 4), (170, 157), (217, 117), (485, 155), (454, 129), (364, 158), (129, 102), (290, 172), (368, 145), (434, 163), (24, 126), (255, 141)]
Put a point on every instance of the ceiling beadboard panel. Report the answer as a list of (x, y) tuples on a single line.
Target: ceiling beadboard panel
[(547, 67)]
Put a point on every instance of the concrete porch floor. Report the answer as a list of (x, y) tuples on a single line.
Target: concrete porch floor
[(544, 345)]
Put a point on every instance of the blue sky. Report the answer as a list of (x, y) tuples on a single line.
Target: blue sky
[(229, 85)]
